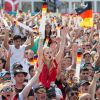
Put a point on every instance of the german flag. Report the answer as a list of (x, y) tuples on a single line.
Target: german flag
[(87, 15), (78, 63), (31, 61), (35, 58), (44, 7), (79, 54)]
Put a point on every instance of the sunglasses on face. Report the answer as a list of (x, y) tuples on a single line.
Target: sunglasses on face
[(85, 73), (26, 53), (20, 20), (74, 93)]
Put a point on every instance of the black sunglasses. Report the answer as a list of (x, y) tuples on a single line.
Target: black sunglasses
[(8, 89), (73, 93)]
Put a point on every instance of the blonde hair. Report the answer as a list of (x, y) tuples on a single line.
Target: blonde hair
[(84, 96)]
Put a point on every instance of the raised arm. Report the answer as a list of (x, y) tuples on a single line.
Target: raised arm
[(40, 51), (74, 55), (32, 42), (92, 87), (10, 18), (6, 39), (27, 88), (97, 63), (32, 18), (62, 45), (7, 65)]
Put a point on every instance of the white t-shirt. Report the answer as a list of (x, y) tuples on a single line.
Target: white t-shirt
[(25, 64), (17, 55)]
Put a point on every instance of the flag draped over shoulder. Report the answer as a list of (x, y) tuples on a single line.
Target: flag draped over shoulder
[(87, 15), (11, 5)]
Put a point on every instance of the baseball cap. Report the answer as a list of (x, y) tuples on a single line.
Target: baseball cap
[(40, 89), (18, 71), (17, 66), (83, 82), (87, 52)]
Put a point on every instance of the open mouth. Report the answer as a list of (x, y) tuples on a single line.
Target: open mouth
[(8, 95), (49, 57)]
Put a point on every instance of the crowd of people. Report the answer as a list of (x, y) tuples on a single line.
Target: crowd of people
[(33, 68)]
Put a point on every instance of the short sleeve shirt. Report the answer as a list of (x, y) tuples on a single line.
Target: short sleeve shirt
[(17, 55)]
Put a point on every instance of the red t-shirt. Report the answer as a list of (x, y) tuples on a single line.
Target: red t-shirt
[(48, 75)]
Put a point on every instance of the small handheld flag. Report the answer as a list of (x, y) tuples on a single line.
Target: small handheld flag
[(44, 8), (58, 31), (35, 58), (78, 63), (43, 21)]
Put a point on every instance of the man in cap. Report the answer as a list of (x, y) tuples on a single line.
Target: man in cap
[(84, 86), (19, 76), (87, 57), (40, 93)]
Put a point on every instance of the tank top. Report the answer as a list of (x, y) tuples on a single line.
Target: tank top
[(48, 75)]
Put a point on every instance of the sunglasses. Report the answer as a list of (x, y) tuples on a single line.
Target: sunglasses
[(5, 79), (85, 73), (74, 93), (7, 89), (20, 20), (41, 91)]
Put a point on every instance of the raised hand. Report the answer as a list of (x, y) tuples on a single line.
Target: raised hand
[(97, 75), (98, 48)]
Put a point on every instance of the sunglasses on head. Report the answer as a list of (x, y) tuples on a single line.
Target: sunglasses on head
[(7, 89), (5, 79), (41, 91)]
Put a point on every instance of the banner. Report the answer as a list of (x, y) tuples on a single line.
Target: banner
[(11, 5)]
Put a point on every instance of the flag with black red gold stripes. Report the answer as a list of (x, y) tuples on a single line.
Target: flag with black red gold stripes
[(87, 15)]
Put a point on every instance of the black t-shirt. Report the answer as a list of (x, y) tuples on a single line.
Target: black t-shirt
[(31, 93)]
